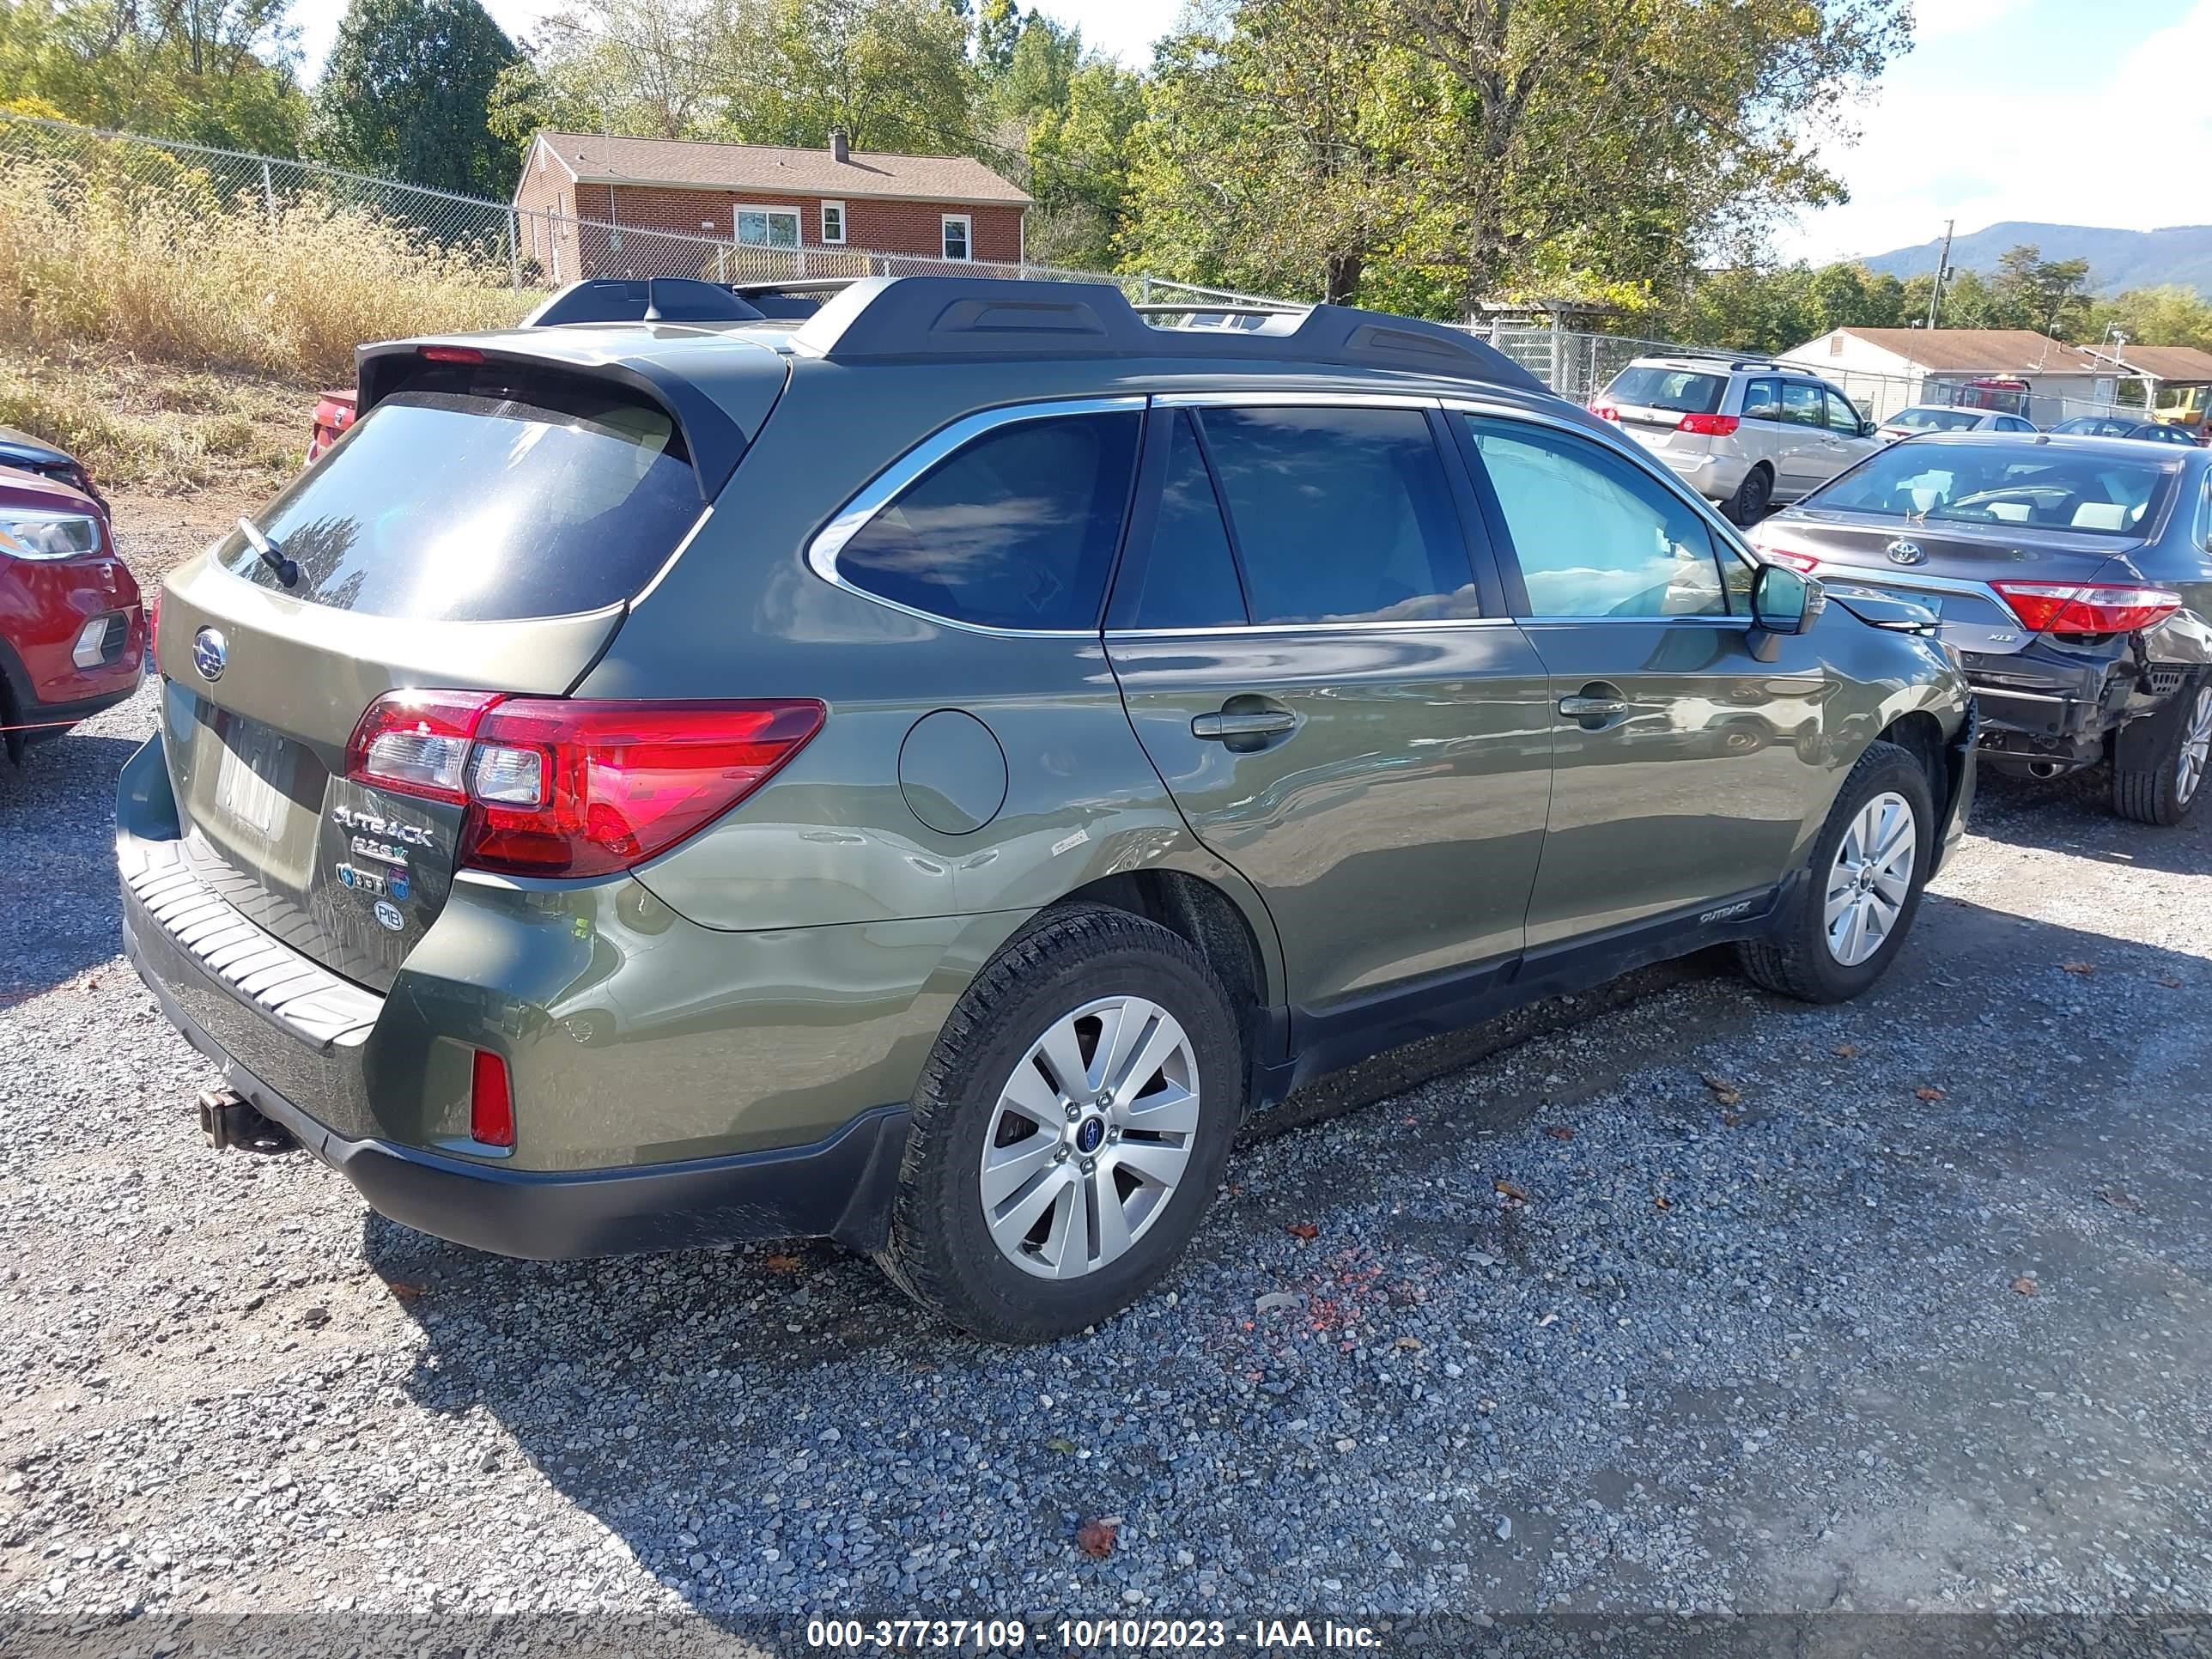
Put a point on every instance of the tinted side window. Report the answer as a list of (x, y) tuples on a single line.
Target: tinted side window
[(1014, 530), (1842, 417), (1341, 514), (1801, 404), (1762, 400), (1595, 538), (1187, 578)]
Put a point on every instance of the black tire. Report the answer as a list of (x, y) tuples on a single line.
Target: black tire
[(1795, 960), (2148, 783), (940, 1250), (1751, 498)]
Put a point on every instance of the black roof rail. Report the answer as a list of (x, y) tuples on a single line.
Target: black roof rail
[(645, 299), (941, 318)]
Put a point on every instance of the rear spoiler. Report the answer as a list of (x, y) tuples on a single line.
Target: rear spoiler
[(715, 440)]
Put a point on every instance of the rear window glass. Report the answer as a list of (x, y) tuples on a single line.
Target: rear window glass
[(2009, 483), (456, 507), (1935, 420), (1017, 529), (1682, 390)]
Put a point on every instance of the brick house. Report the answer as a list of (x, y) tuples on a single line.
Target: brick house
[(738, 211)]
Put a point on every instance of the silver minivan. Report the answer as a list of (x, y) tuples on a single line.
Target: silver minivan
[(1746, 433)]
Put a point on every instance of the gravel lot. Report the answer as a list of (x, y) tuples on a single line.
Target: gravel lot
[(1704, 1302)]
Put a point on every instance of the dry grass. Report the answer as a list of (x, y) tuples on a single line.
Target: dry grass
[(156, 427), (166, 268)]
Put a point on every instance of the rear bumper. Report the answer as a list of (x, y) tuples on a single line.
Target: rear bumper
[(2043, 707), (837, 1188), (674, 1085)]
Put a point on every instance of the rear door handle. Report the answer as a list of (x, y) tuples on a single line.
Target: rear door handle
[(1592, 708), (1223, 728)]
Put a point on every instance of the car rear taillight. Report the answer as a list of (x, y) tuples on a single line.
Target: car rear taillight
[(1709, 426), (1605, 412), (491, 1101), (443, 354), (1804, 561), (417, 743), (560, 787), (2064, 608)]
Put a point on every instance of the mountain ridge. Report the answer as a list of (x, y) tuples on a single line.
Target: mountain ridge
[(2177, 255)]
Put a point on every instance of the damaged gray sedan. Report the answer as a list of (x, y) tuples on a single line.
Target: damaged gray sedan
[(2073, 578)]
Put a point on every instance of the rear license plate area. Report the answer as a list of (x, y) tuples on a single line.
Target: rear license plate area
[(253, 777)]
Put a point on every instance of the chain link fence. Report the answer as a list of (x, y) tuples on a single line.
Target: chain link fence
[(494, 242), (494, 257)]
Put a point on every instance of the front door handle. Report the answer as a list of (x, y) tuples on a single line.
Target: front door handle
[(1581, 709), (1227, 727)]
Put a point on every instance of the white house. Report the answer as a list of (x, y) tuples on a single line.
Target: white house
[(1884, 369)]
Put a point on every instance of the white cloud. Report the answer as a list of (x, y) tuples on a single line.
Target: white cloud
[(2118, 149)]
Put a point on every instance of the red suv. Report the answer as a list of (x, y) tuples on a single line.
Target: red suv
[(72, 634)]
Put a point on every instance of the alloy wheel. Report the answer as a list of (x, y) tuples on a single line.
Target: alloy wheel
[(1089, 1137), (2195, 748), (1870, 879)]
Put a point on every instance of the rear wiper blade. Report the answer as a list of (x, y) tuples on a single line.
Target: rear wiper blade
[(268, 553)]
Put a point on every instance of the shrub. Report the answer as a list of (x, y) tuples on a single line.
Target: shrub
[(163, 264)]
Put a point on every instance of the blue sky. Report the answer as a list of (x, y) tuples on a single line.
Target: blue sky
[(2073, 112)]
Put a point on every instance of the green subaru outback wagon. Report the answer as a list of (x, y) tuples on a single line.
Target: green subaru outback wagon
[(921, 773)]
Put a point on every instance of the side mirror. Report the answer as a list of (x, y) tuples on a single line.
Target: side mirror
[(1866, 429), (1783, 601)]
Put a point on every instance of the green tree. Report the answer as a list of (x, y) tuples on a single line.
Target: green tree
[(997, 30), (2154, 316), (406, 94), (2049, 295), (1270, 153), (213, 71), (892, 75), (646, 69), (1077, 165), (1038, 71), (1606, 141)]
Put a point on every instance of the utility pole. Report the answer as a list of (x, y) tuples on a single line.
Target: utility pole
[(1942, 270)]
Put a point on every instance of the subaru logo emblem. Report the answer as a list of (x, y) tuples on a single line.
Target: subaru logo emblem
[(1905, 553), (209, 653)]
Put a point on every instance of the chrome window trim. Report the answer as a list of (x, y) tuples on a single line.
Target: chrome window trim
[(1246, 631), (1696, 618), (1257, 399), (882, 489)]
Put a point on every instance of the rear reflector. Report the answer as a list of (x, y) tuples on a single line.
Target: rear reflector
[(1605, 412), (491, 1101), (2064, 608), (1709, 426), (560, 787)]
